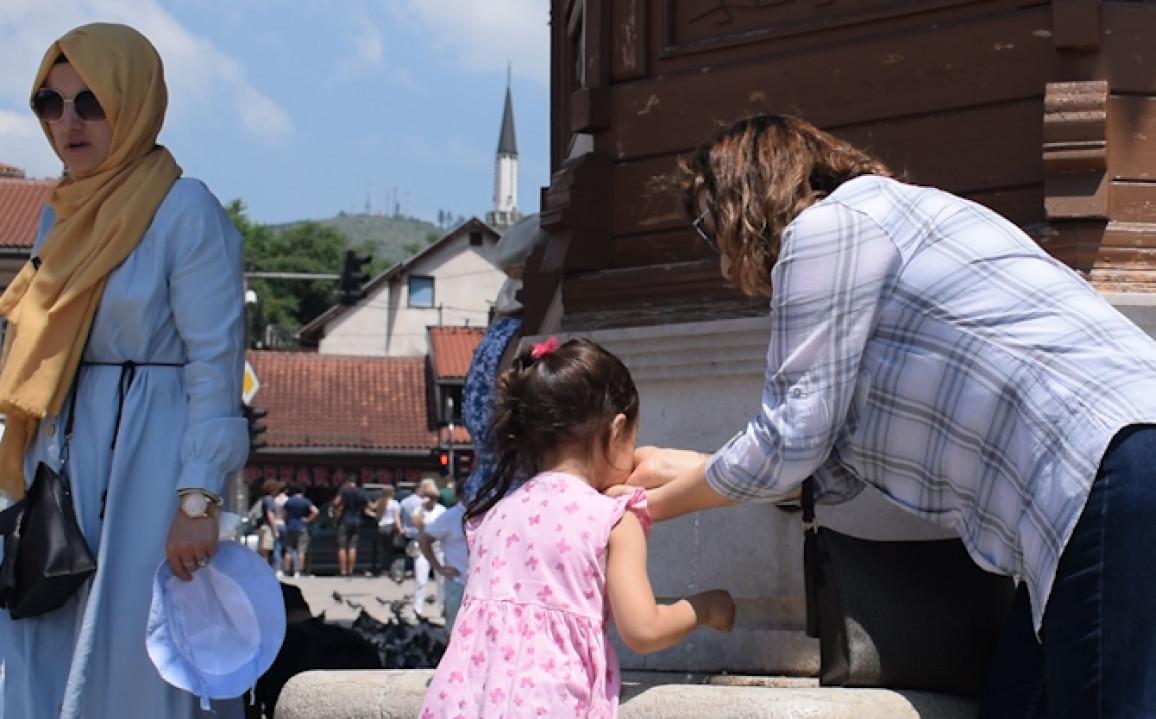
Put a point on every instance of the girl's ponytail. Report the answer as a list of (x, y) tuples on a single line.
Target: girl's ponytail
[(550, 396)]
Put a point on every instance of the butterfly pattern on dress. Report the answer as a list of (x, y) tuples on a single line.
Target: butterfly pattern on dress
[(531, 637)]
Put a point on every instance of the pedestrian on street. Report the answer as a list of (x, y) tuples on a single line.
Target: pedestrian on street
[(388, 511), (443, 545), (426, 513), (349, 507), (267, 522), (300, 512)]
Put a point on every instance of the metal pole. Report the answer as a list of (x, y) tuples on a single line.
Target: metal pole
[(453, 466), (293, 275)]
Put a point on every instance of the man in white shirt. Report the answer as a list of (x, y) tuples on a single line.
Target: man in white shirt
[(426, 514), (412, 504), (449, 532)]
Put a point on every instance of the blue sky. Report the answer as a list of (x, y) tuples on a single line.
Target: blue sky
[(304, 108)]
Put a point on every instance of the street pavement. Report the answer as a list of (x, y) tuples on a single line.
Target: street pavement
[(343, 598)]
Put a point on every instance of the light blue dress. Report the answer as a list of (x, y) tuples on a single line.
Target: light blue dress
[(176, 299)]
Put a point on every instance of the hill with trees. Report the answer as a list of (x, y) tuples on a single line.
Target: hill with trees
[(316, 247), (389, 238)]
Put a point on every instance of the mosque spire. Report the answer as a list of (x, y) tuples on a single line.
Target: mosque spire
[(505, 210)]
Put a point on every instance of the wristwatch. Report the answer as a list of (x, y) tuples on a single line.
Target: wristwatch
[(198, 504)]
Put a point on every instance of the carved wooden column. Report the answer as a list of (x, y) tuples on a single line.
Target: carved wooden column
[(1075, 152), (1077, 183)]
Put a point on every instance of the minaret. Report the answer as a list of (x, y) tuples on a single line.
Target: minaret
[(505, 212)]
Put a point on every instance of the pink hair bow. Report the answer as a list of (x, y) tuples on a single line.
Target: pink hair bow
[(544, 348)]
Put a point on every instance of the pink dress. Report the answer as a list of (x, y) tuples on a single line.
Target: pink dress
[(530, 639)]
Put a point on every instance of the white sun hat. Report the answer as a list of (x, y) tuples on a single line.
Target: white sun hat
[(216, 635)]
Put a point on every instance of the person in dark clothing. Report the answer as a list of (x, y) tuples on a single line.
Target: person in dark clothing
[(310, 643), (349, 506), (299, 513)]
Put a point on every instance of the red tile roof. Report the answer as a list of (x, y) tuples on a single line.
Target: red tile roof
[(20, 204), (452, 350), (335, 401)]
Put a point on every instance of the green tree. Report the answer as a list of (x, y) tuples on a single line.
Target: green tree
[(305, 247)]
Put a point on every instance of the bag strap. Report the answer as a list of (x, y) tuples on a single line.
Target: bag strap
[(71, 421), (811, 559), (808, 501)]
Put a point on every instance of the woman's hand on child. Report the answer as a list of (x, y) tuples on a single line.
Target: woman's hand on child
[(618, 490), (655, 466), (714, 608), (448, 572)]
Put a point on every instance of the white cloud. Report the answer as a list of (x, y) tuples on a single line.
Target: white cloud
[(261, 116), (367, 43), (23, 145), (483, 35), (367, 51), (201, 78), (364, 46)]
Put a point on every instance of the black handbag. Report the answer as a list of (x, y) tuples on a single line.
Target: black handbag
[(899, 614), (46, 557)]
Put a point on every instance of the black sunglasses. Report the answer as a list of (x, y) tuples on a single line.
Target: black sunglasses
[(697, 225), (49, 105)]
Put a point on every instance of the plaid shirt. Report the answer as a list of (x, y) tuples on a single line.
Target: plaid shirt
[(924, 345)]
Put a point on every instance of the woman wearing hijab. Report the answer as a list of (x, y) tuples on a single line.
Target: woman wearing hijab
[(132, 301)]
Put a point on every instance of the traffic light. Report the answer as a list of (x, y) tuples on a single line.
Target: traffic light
[(441, 457), (465, 462), (353, 278), (254, 415)]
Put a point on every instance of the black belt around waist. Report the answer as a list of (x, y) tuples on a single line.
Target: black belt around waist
[(127, 375)]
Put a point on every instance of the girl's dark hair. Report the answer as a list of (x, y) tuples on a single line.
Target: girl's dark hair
[(755, 177), (567, 395)]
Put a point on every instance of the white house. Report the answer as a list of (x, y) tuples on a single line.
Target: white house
[(451, 282)]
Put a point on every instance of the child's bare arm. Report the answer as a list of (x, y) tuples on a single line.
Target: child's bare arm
[(644, 625)]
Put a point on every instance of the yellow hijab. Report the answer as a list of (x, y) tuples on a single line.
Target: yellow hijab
[(100, 218)]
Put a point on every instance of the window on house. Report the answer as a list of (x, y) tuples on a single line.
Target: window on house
[(475, 239), (421, 291)]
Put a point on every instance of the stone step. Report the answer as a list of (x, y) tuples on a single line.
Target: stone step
[(397, 694)]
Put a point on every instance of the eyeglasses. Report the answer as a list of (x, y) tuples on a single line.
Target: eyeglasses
[(49, 105), (706, 237)]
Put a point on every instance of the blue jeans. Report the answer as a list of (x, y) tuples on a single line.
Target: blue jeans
[(1097, 658), (454, 590)]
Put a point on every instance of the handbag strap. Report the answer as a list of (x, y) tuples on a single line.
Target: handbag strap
[(811, 559), (808, 502), (71, 421)]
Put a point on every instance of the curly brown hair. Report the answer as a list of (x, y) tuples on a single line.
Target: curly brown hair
[(755, 177)]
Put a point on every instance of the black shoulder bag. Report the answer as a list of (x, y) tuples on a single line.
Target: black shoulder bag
[(899, 614), (46, 557)]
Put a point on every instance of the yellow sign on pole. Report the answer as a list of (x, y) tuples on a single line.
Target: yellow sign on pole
[(250, 384)]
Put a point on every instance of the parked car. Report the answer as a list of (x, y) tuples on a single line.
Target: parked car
[(321, 557)]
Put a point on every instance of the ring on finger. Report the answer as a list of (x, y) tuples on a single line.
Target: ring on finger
[(203, 562)]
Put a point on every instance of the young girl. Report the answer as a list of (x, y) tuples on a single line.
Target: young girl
[(550, 560)]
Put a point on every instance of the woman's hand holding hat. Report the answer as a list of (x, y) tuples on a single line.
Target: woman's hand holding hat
[(191, 542)]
